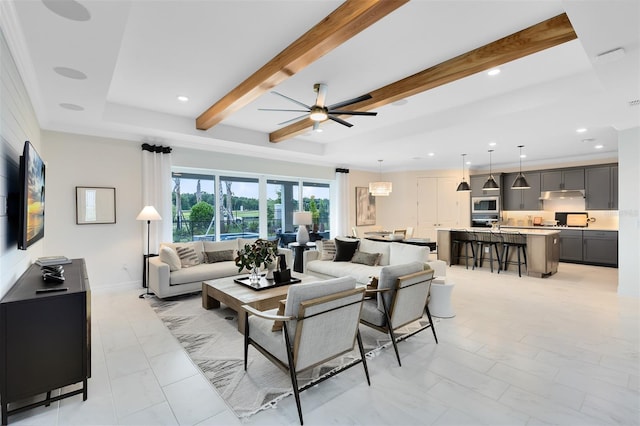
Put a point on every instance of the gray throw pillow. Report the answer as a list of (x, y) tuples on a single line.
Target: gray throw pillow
[(328, 250), (188, 256), (345, 250), (370, 259), (219, 256)]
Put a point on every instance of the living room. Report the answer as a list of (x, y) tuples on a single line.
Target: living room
[(114, 252)]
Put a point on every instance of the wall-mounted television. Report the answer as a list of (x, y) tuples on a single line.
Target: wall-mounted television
[(31, 181)]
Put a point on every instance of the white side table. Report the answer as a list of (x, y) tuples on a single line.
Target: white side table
[(440, 300)]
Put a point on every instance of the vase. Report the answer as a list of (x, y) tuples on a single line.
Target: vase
[(270, 267), (254, 278)]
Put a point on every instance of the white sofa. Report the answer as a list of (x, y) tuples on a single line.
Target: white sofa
[(167, 279), (392, 253)]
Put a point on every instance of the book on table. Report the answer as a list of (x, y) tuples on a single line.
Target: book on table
[(52, 260)]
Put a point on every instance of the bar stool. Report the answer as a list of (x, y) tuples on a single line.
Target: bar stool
[(491, 240), (459, 239), (517, 241)]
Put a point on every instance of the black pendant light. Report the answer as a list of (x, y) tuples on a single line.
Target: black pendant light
[(464, 185), (520, 182), (490, 184)]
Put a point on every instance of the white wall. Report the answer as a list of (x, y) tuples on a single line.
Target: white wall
[(113, 252), (18, 123), (629, 213)]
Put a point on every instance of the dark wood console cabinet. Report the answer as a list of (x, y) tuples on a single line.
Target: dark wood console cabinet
[(45, 338)]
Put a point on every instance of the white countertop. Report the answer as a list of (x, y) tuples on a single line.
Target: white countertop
[(522, 230), (560, 228)]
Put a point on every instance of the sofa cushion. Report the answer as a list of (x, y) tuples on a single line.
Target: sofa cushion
[(219, 256), (364, 258), (203, 272), (171, 258), (362, 273), (390, 274), (345, 250), (219, 245), (196, 245), (381, 247), (188, 256), (400, 253), (327, 249)]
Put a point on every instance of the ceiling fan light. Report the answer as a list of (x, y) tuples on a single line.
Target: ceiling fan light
[(318, 114), (380, 189)]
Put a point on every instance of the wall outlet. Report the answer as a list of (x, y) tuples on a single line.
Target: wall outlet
[(486, 249)]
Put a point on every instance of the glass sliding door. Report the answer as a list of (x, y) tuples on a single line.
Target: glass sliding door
[(193, 199), (282, 200), (238, 210), (317, 200)]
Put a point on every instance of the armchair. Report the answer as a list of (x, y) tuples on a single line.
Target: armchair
[(401, 298), (320, 322)]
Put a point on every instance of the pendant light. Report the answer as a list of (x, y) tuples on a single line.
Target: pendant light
[(520, 182), (464, 185), (490, 184), (380, 188)]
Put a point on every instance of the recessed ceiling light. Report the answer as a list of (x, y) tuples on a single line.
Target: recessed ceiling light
[(72, 107), (70, 73), (431, 154), (183, 98), (523, 155), (69, 9), (492, 144), (494, 71), (468, 163), (581, 130), (599, 146)]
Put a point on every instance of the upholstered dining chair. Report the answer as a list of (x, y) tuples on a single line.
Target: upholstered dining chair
[(401, 298), (319, 323)]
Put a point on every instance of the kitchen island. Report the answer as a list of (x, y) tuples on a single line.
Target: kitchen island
[(543, 249)]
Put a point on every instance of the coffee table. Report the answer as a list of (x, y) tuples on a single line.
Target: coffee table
[(234, 295)]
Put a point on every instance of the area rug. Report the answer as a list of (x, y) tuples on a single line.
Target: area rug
[(212, 341)]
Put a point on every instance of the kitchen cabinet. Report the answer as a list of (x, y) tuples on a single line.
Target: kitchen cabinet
[(558, 180), (600, 247), (477, 182), (521, 199), (438, 203), (571, 245), (601, 184)]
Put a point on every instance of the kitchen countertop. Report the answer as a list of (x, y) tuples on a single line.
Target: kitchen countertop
[(524, 230), (560, 228)]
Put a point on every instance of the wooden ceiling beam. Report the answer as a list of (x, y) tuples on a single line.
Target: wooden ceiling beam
[(352, 17), (541, 36)]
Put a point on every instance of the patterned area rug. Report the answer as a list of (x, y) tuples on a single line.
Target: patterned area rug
[(213, 342)]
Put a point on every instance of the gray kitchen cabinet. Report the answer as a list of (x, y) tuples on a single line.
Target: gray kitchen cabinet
[(521, 199), (557, 180), (601, 188), (571, 245), (600, 247)]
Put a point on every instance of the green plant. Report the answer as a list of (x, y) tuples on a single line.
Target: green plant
[(313, 208), (262, 252)]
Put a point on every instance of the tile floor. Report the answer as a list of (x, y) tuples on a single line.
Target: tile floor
[(520, 351)]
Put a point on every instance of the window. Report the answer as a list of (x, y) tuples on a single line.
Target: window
[(239, 211), (194, 202), (282, 200), (316, 198)]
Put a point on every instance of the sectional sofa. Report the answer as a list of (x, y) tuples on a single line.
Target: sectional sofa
[(180, 268)]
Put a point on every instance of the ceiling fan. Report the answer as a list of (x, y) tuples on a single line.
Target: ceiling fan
[(321, 112)]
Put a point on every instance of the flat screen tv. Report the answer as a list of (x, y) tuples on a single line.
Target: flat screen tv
[(31, 181)]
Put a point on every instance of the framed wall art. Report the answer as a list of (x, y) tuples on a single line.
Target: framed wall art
[(95, 205), (365, 207)]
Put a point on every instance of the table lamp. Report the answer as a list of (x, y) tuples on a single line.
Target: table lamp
[(148, 213), (302, 219)]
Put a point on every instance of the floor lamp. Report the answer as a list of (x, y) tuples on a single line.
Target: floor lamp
[(148, 213)]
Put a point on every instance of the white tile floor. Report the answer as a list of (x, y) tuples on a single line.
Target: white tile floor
[(520, 351)]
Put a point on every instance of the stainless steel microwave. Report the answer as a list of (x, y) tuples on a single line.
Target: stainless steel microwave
[(485, 204)]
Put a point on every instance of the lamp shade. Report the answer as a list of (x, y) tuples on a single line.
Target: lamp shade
[(463, 186), (520, 182), (491, 184), (149, 213), (302, 218), (380, 189)]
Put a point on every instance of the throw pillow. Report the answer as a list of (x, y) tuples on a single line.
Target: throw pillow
[(370, 259), (328, 250), (188, 256), (219, 256), (345, 250), (171, 258)]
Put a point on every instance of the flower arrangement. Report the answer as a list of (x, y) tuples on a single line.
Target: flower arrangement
[(253, 256)]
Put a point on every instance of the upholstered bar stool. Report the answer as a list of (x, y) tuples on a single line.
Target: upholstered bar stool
[(491, 240), (519, 242), (466, 239)]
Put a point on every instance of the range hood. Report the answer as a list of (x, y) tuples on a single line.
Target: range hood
[(562, 195)]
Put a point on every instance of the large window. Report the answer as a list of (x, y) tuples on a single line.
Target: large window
[(221, 207)]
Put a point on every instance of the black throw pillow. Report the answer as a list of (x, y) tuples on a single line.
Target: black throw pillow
[(345, 250)]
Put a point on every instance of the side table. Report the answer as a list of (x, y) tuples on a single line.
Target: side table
[(298, 249), (440, 300)]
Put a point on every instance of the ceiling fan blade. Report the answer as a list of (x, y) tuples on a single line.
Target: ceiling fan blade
[(285, 110), (339, 120), (291, 99), (293, 119), (368, 113), (321, 89), (350, 101)]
